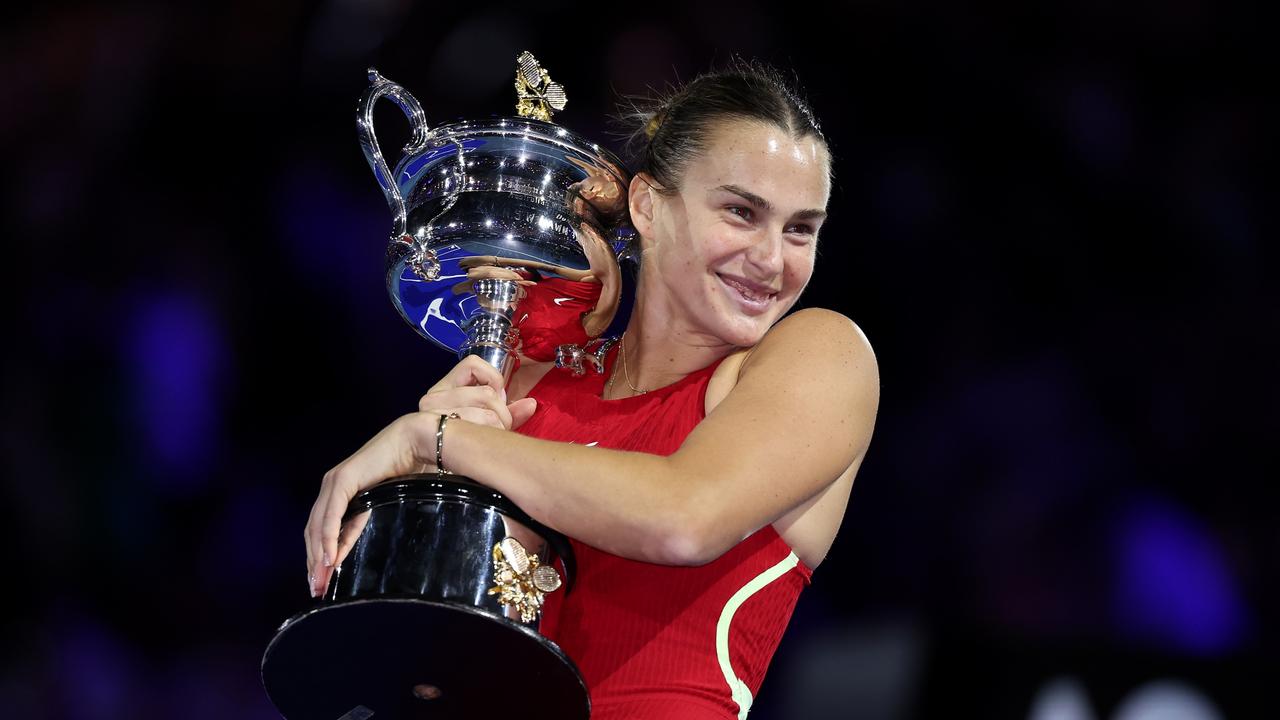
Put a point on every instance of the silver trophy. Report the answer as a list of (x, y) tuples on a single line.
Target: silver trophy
[(505, 244)]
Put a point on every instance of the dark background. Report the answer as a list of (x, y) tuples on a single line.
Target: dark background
[(1050, 222)]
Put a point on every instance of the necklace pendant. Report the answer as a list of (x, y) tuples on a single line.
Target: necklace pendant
[(577, 358)]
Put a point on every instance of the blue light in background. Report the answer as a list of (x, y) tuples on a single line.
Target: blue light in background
[(336, 242), (101, 669), (1174, 588), (175, 355)]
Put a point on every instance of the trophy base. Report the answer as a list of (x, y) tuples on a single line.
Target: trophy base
[(389, 658)]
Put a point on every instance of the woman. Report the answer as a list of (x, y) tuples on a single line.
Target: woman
[(705, 473)]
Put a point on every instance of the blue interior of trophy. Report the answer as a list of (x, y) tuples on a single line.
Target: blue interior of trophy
[(489, 191)]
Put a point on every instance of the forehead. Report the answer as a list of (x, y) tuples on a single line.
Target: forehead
[(765, 159)]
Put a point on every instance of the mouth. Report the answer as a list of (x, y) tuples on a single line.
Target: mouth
[(752, 296)]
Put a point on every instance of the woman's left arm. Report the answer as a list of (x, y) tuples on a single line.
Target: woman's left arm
[(801, 413)]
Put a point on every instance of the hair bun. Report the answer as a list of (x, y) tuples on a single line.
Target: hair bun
[(651, 127)]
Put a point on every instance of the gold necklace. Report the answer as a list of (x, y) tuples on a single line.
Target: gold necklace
[(626, 376)]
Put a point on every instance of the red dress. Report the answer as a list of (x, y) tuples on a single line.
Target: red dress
[(655, 641), (551, 313)]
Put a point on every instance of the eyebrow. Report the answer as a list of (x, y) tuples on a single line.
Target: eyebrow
[(759, 202)]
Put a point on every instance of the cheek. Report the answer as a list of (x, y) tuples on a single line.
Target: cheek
[(721, 243), (674, 258), (697, 250), (799, 264)]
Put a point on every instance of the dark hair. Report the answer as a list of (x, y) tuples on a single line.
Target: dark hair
[(666, 132)]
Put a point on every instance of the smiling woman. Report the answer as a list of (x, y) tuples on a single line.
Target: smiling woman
[(734, 241), (704, 474)]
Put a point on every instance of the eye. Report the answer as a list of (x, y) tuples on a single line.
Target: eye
[(803, 233), (741, 211)]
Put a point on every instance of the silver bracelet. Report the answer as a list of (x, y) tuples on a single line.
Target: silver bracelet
[(444, 420)]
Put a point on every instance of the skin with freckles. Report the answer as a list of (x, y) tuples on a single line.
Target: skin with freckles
[(790, 410), (746, 218)]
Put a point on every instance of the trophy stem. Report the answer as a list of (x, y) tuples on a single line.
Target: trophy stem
[(490, 334)]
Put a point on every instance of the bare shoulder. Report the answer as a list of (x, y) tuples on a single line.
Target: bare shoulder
[(813, 332), (813, 350), (819, 353)]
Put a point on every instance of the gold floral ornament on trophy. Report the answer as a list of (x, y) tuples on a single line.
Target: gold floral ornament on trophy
[(522, 580), (539, 97)]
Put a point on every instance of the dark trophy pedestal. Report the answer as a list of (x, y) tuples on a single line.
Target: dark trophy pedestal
[(406, 658)]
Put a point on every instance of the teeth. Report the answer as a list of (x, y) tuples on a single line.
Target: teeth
[(746, 292)]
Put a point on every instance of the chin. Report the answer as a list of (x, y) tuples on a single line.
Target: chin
[(747, 331), (741, 322)]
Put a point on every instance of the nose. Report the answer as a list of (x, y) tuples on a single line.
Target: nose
[(765, 254)]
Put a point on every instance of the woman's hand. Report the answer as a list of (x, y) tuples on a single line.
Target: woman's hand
[(473, 389)]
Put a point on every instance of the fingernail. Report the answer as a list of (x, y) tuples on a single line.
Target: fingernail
[(311, 585), (328, 562)]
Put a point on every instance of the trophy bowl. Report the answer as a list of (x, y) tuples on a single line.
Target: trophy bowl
[(505, 244), (505, 193)]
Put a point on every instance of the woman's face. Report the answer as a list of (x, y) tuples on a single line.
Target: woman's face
[(734, 248)]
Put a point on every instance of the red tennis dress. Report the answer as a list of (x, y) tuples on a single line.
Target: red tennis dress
[(655, 641)]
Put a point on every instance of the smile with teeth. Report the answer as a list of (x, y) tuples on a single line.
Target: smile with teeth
[(752, 295)]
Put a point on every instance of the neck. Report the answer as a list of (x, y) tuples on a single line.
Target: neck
[(661, 346)]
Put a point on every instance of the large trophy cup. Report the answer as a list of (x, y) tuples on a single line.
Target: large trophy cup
[(505, 245)]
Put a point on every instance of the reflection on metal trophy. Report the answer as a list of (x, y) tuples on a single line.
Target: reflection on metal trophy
[(504, 245)]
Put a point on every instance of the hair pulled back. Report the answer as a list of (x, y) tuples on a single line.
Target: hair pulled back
[(667, 132)]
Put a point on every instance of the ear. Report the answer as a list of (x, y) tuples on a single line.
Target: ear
[(640, 202)]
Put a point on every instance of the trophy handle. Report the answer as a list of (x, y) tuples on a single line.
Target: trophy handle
[(380, 87)]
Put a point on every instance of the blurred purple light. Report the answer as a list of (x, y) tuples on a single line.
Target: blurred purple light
[(1174, 588), (98, 670), (335, 241), (248, 528), (175, 353)]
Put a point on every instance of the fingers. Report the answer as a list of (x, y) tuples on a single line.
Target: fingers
[(469, 396), (399, 449), (488, 271), (351, 532), (471, 370), (476, 397), (521, 410), (330, 525), (483, 417), (306, 539), (477, 260), (512, 416), (315, 585), (324, 530)]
